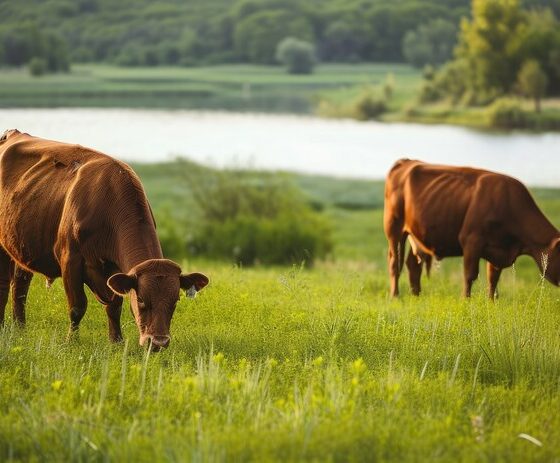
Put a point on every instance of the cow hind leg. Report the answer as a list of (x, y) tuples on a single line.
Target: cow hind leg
[(493, 274), (21, 279), (414, 272), (5, 263), (395, 260)]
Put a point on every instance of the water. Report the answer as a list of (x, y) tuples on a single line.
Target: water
[(341, 148)]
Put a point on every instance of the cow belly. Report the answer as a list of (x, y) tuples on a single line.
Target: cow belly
[(31, 252), (436, 244)]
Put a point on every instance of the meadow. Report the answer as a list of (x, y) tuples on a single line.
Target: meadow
[(229, 87), (296, 364)]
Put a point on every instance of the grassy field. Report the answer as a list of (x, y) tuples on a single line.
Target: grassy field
[(289, 364), (331, 91), (234, 87)]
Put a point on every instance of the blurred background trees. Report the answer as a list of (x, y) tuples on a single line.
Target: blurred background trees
[(476, 48)]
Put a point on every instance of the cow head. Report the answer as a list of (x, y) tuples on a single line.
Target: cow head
[(552, 272), (154, 287)]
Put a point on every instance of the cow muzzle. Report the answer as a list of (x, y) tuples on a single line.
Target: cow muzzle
[(155, 342)]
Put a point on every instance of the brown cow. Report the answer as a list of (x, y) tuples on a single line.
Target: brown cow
[(459, 211), (73, 212)]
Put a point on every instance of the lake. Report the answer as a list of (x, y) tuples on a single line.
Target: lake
[(342, 148)]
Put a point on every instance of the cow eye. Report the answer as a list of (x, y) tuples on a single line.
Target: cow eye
[(140, 302)]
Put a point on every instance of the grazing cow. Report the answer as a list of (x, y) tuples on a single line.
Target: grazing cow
[(74, 212), (450, 211)]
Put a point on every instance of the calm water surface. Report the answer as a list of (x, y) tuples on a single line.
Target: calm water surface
[(299, 143)]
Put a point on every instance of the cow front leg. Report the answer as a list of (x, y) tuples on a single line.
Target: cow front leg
[(73, 279), (21, 279), (414, 272), (470, 269), (493, 274), (96, 279), (113, 311), (5, 263)]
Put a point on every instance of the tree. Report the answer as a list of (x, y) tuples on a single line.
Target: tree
[(490, 43), (37, 67), (297, 55), (257, 36), (431, 43), (344, 40), (533, 81)]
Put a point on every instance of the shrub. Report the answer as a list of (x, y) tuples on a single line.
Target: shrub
[(297, 55), (248, 240), (430, 92), (249, 219), (369, 105), (37, 67), (506, 113), (171, 234)]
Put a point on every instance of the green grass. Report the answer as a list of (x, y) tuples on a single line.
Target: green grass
[(288, 364), (232, 87)]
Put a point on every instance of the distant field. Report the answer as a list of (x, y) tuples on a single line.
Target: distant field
[(234, 87)]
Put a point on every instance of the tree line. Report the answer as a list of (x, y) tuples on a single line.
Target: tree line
[(192, 32)]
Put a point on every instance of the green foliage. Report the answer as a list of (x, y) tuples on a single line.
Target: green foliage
[(37, 66), (344, 41), (286, 238), (257, 36), (176, 32), (490, 44), (369, 105), (20, 44), (431, 44), (506, 113), (493, 45), (533, 81), (249, 219), (297, 55)]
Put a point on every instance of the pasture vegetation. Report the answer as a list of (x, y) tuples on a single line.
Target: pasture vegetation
[(289, 363), (236, 87)]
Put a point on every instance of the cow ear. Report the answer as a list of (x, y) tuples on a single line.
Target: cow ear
[(193, 282), (122, 283)]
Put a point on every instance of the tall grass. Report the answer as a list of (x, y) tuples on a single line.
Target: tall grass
[(290, 364)]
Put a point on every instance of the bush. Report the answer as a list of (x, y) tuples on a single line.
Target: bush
[(248, 240), (430, 92), (297, 55), (248, 220), (37, 67), (170, 232), (369, 105), (506, 113)]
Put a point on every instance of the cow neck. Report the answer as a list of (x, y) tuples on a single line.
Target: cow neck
[(541, 234), (136, 243)]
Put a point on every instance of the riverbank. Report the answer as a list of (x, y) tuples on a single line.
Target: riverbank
[(334, 90)]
